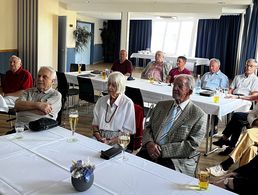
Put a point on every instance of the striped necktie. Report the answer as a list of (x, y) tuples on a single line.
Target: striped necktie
[(168, 124)]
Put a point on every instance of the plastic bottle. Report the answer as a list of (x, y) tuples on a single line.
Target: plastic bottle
[(198, 84)]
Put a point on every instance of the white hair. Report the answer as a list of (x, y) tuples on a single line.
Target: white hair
[(50, 69), (119, 80)]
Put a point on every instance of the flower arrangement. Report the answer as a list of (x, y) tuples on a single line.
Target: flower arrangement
[(81, 169)]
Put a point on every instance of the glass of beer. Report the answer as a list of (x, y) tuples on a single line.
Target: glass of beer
[(73, 120), (123, 141), (79, 68), (104, 75), (204, 178), (151, 79)]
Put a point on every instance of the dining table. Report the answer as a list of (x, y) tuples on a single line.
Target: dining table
[(153, 92), (39, 163)]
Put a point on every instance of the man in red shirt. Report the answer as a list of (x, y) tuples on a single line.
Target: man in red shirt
[(123, 65), (16, 81), (180, 69)]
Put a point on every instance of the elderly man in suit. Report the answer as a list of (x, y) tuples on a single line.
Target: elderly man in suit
[(175, 130)]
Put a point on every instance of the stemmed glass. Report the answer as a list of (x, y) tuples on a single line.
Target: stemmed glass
[(19, 128), (123, 141), (73, 120)]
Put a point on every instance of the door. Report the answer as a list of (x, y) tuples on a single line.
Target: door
[(84, 56)]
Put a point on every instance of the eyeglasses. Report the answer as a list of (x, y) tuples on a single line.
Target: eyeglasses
[(250, 65)]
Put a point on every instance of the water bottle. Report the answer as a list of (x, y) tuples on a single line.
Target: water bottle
[(198, 84)]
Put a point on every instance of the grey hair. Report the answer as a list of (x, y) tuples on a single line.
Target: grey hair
[(119, 80), (51, 69), (16, 57), (216, 60), (189, 78), (161, 52), (251, 60)]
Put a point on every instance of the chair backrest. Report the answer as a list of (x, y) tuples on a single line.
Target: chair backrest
[(62, 85), (74, 67), (135, 95), (2, 77), (136, 139), (86, 91)]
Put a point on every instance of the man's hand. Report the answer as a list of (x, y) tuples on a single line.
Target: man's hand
[(44, 107), (231, 96), (154, 150)]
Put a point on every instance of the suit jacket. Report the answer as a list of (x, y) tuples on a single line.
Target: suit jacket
[(185, 135), (246, 180)]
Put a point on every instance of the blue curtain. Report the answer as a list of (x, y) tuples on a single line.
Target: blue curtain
[(219, 38), (111, 42), (140, 36), (249, 43)]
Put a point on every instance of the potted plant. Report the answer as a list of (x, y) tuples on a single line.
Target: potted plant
[(81, 36)]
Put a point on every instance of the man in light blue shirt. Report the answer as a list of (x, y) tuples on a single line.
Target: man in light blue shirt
[(215, 78)]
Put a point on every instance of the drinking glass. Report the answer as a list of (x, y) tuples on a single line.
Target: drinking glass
[(79, 68), (73, 120), (151, 79), (204, 178), (123, 141), (19, 128)]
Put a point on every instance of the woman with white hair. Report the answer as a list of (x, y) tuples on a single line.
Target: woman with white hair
[(113, 113)]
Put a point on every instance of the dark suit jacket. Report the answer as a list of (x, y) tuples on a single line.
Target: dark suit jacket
[(247, 175), (185, 137)]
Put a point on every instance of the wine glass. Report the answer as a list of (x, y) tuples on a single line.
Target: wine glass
[(73, 120), (19, 128), (123, 141)]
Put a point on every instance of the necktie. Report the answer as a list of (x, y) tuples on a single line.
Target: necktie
[(168, 124)]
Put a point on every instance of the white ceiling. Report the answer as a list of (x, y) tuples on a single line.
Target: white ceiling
[(150, 9)]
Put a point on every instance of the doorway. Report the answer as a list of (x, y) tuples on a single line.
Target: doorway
[(86, 55)]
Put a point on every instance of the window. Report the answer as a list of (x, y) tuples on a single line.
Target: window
[(174, 37)]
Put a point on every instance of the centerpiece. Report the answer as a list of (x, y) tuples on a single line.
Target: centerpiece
[(82, 175)]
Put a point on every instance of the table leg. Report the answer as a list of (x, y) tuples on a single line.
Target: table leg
[(137, 61), (210, 123)]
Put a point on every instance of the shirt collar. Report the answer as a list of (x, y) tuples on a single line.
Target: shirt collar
[(45, 92), (183, 104), (218, 72), (251, 75), (117, 100)]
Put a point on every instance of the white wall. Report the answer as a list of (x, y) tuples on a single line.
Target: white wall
[(97, 24), (8, 21), (48, 33), (71, 25)]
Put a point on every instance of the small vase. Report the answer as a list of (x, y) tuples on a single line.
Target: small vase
[(80, 184)]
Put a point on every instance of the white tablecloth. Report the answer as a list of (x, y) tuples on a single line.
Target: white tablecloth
[(43, 168), (153, 93)]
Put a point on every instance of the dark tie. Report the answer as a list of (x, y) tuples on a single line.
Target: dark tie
[(168, 123)]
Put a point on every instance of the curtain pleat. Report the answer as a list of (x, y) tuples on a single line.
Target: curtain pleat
[(250, 35), (218, 38), (28, 34), (140, 36)]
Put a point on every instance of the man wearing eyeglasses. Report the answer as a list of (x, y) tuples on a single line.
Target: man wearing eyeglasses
[(245, 84)]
